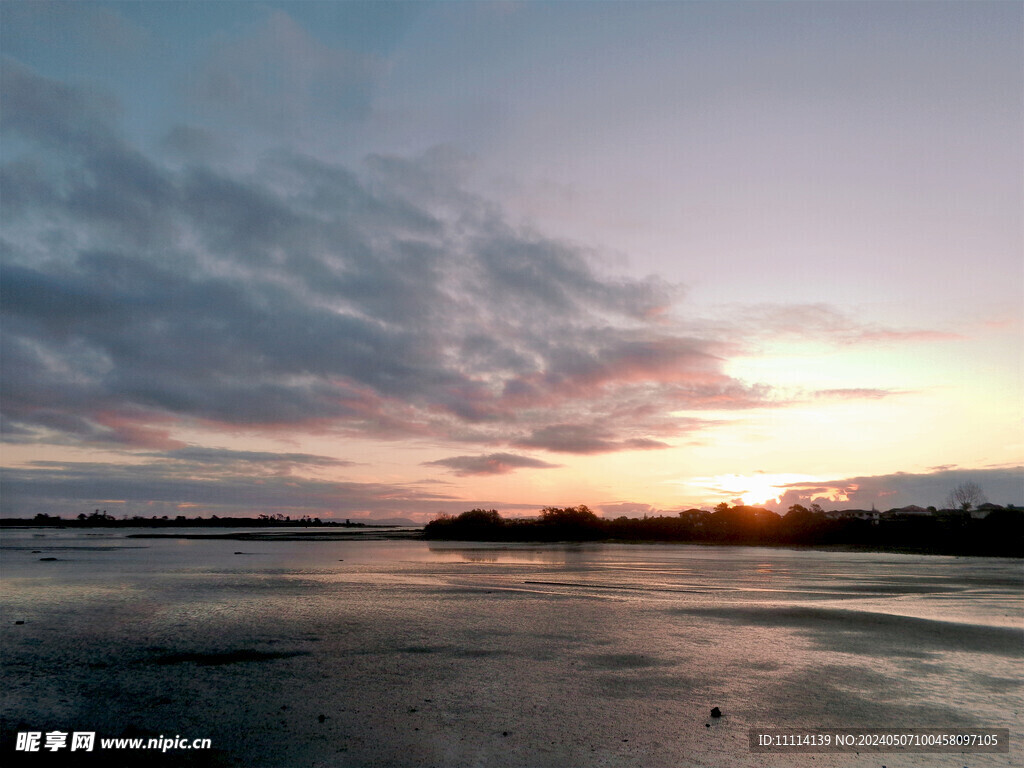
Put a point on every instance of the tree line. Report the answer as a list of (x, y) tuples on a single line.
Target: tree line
[(999, 533), (102, 519)]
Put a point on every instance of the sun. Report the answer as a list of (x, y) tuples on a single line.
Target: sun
[(761, 489), (752, 489)]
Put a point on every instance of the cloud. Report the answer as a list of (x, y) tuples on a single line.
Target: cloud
[(856, 393), (227, 483), (386, 301), (1004, 485), (200, 460), (172, 487), (298, 294), (627, 509), (492, 464), (825, 323), (49, 111), (585, 439), (196, 144)]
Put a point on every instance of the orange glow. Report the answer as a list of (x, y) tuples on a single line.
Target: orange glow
[(758, 488)]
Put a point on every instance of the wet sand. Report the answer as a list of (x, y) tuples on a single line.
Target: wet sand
[(528, 656)]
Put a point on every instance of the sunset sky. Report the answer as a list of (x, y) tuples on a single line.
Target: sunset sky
[(392, 259)]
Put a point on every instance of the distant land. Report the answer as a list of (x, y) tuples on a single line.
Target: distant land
[(103, 520)]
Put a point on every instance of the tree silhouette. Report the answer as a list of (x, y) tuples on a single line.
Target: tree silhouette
[(581, 515), (965, 496), (480, 518), (1000, 533)]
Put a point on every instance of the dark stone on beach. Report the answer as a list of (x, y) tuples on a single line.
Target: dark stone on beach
[(321, 718), (707, 725), (239, 553), (37, 551), (716, 712), (19, 621), (47, 559), (504, 733)]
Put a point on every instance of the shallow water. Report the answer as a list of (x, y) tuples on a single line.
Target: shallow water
[(364, 652)]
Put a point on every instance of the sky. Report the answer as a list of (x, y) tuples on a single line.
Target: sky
[(377, 260)]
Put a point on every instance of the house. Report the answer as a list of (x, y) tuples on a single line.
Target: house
[(871, 515), (909, 512)]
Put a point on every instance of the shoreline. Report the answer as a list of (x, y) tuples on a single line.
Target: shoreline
[(376, 535), (399, 533)]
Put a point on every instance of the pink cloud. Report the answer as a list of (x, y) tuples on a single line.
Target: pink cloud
[(492, 464), (137, 430)]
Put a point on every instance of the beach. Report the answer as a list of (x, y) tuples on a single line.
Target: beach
[(403, 652)]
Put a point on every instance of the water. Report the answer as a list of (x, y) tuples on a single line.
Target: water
[(364, 652)]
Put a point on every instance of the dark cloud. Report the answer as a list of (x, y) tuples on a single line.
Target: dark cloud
[(228, 483), (168, 488), (492, 464), (51, 112), (139, 297), (199, 459), (195, 144), (1004, 485), (585, 438)]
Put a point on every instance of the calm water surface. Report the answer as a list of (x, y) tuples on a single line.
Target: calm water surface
[(364, 652)]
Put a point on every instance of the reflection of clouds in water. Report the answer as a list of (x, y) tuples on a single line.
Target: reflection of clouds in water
[(855, 631), (475, 553)]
